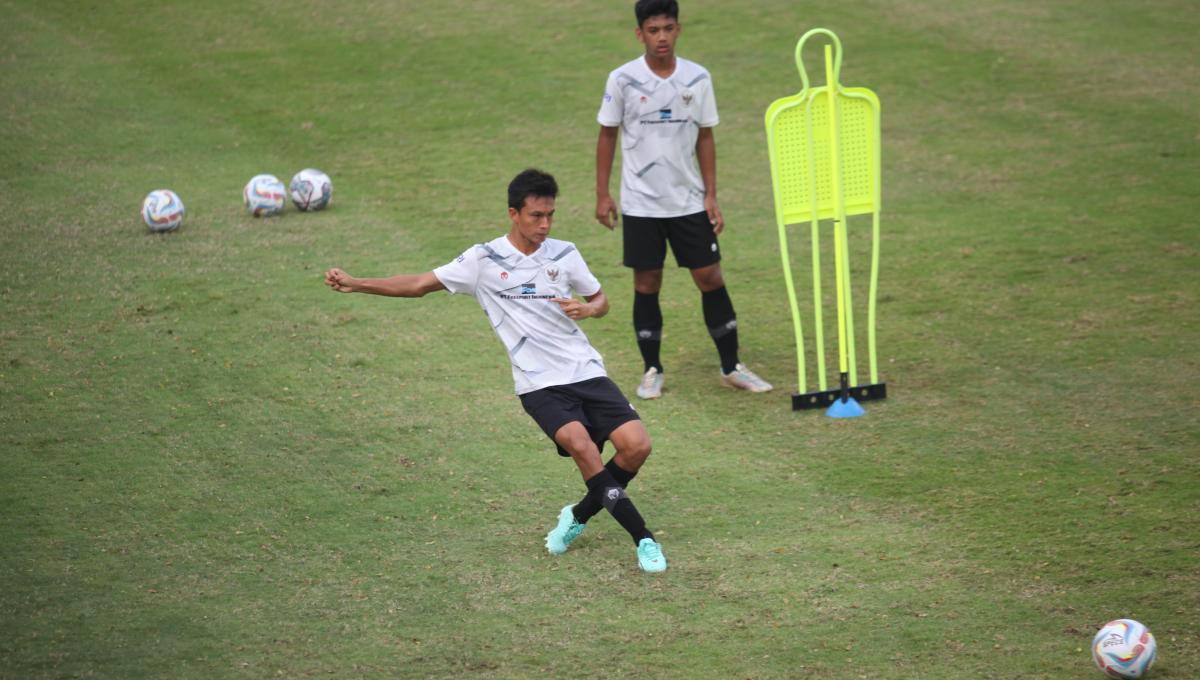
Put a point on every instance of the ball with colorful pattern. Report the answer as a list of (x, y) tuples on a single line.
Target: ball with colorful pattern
[(1124, 649), (162, 210), (264, 195), (311, 189)]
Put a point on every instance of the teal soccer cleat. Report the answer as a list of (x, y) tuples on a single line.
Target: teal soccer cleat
[(561, 536), (650, 556)]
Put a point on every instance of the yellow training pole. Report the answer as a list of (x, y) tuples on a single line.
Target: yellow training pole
[(791, 289), (839, 224), (874, 365), (815, 229)]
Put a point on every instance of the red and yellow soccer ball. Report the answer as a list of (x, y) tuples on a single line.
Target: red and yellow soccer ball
[(1124, 649)]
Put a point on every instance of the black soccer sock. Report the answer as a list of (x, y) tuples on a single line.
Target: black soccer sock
[(589, 507), (648, 323), (623, 476), (604, 489), (722, 325)]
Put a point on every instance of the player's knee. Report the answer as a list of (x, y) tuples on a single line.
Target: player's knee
[(708, 278), (635, 453), (647, 282), (577, 444)]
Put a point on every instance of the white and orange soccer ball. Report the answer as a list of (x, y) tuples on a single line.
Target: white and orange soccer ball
[(1124, 649), (264, 195), (311, 189), (162, 210)]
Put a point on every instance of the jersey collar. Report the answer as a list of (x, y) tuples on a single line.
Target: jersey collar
[(650, 71), (506, 248)]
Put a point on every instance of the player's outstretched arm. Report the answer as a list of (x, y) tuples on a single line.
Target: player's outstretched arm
[(595, 307), (401, 285)]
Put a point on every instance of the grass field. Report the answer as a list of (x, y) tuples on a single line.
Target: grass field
[(212, 466)]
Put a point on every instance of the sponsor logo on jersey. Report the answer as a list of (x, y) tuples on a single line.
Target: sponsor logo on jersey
[(504, 275), (643, 99), (664, 114), (528, 289)]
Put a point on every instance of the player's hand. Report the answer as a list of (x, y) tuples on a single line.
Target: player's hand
[(606, 211), (574, 309), (714, 214), (339, 281)]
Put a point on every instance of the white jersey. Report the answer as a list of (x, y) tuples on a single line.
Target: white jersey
[(545, 346), (660, 119)]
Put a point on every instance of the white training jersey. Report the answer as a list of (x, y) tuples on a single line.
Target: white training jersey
[(545, 346), (660, 119)]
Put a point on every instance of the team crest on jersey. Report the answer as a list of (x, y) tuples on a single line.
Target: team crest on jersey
[(552, 274), (687, 97)]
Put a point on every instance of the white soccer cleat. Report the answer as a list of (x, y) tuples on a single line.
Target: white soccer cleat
[(744, 379), (651, 385)]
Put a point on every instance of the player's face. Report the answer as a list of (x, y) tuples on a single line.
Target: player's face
[(659, 34), (531, 224)]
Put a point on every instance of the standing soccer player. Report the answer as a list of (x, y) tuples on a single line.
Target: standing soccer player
[(524, 281), (663, 108)]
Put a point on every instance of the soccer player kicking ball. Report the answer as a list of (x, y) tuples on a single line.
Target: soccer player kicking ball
[(524, 281)]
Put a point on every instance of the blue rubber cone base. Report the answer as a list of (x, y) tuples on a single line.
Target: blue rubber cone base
[(845, 409)]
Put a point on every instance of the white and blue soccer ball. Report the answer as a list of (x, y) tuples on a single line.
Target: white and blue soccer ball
[(1124, 649), (162, 210), (311, 189), (264, 195)]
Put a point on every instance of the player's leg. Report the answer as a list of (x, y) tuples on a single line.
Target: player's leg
[(554, 409), (610, 416), (719, 315), (645, 248), (602, 487), (632, 442), (633, 447), (695, 247)]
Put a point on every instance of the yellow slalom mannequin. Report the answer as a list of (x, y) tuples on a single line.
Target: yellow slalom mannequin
[(824, 147)]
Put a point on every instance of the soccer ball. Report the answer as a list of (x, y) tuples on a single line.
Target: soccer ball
[(311, 189), (1124, 649), (162, 210), (264, 195)]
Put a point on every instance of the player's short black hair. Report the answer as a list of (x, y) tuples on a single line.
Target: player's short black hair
[(531, 182), (644, 9)]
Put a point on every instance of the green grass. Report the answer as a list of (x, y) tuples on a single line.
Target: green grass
[(214, 467)]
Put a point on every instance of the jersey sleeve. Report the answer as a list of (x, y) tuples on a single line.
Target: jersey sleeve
[(708, 108), (461, 274), (612, 107), (582, 281)]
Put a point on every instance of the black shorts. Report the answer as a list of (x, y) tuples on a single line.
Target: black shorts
[(691, 237), (597, 404)]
